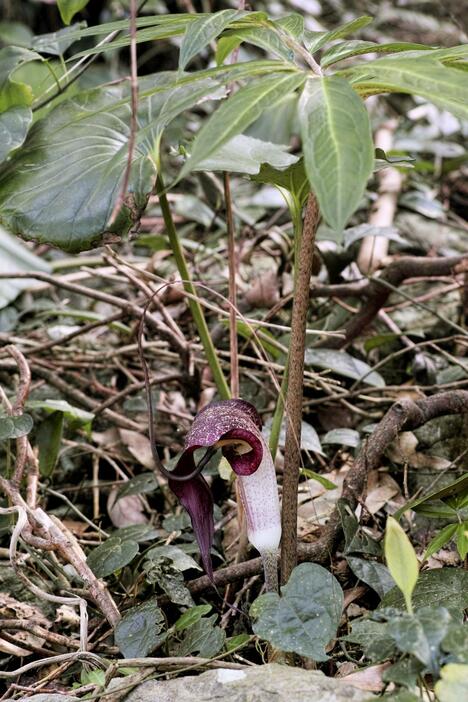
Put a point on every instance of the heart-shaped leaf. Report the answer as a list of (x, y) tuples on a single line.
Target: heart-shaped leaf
[(306, 616), (140, 630)]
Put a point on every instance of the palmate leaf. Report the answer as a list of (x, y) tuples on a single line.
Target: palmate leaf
[(63, 184), (237, 113), (337, 145), (443, 85)]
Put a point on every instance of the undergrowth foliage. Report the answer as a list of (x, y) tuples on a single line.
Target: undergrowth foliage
[(81, 167)]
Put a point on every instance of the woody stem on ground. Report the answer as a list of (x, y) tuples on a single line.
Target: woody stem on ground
[(292, 452), (195, 307)]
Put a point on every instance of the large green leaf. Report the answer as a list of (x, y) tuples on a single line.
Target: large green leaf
[(112, 555), (237, 113), (441, 587), (61, 187), (337, 145), (442, 85), (203, 637), (306, 616), (203, 31)]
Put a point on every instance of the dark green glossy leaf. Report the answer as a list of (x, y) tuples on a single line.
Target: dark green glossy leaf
[(337, 145), (405, 672), (421, 635), (306, 616), (373, 638), (112, 555), (140, 630), (458, 487), (61, 187)]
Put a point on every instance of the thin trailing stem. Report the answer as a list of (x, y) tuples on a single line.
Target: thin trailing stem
[(232, 287), (194, 304), (292, 454)]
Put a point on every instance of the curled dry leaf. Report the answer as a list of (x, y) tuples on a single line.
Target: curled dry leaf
[(369, 679)]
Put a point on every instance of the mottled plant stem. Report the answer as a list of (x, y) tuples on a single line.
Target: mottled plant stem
[(270, 570), (232, 287), (195, 307), (292, 452)]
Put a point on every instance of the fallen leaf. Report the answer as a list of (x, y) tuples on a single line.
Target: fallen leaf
[(126, 511)]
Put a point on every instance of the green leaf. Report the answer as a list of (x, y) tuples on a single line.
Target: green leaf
[(347, 49), (453, 683), (235, 642), (421, 635), (178, 557), (202, 638), (244, 154), (372, 573), (401, 560), (292, 182), (56, 43), (373, 638), (72, 413), (14, 126), (306, 616), (237, 113), (343, 364), (191, 616), (312, 475), (15, 256), (61, 186), (49, 440), (15, 427), (441, 587), (458, 487), (14, 93), (337, 145), (265, 38), (112, 555), (440, 540), (442, 85), (140, 630), (456, 642), (343, 437), (139, 485), (293, 24), (202, 32), (69, 8), (462, 540), (405, 672), (322, 38)]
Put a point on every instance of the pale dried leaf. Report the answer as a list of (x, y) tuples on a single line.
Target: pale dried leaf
[(126, 511)]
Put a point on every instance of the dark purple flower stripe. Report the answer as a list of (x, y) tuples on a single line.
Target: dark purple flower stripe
[(228, 420)]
